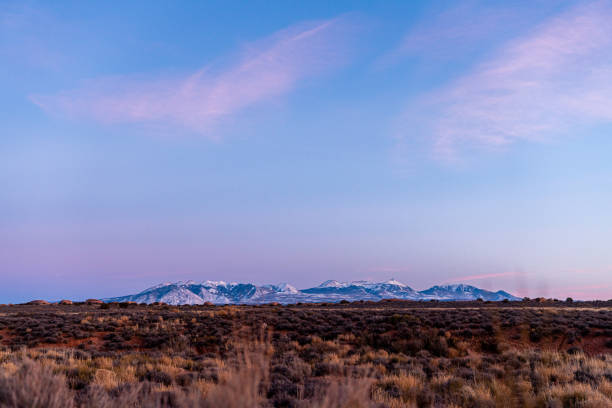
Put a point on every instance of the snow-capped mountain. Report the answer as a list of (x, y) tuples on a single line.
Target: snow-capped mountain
[(220, 292), (363, 290), (464, 292)]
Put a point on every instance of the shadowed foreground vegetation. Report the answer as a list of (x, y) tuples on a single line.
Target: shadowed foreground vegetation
[(385, 354)]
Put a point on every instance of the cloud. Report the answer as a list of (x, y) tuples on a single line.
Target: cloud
[(538, 87), (457, 30), (198, 100), (461, 32), (483, 276)]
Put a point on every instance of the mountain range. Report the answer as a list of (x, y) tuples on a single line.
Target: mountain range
[(220, 292)]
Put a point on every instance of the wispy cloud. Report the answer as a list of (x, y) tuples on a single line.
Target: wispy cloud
[(463, 32), (467, 278), (457, 30), (265, 69), (535, 88)]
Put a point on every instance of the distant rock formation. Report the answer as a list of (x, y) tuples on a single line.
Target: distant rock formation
[(38, 302)]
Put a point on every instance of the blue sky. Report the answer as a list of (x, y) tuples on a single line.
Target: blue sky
[(271, 142)]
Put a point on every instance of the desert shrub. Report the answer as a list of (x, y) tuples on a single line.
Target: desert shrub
[(536, 334), (490, 345), (186, 379), (421, 354), (347, 393), (437, 346), (584, 377), (282, 390), (80, 376), (34, 386), (425, 398), (157, 376)]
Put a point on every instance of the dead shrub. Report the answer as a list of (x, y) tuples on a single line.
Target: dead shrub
[(34, 386)]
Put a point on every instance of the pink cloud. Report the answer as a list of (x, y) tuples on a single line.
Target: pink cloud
[(482, 276), (458, 29), (535, 88), (198, 100)]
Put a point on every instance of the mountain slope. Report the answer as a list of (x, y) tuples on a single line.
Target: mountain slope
[(464, 292), (220, 292)]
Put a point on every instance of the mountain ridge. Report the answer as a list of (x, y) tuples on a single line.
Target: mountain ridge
[(221, 292)]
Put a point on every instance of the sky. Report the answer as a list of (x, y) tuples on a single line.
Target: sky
[(271, 141)]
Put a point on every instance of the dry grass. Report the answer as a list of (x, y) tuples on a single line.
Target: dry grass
[(310, 357), (29, 384), (246, 378)]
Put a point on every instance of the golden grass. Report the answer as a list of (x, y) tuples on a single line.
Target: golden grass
[(244, 377)]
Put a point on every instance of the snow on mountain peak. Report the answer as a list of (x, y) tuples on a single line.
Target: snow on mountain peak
[(161, 285), (332, 284), (221, 292), (287, 288), (210, 283), (392, 281), (363, 282), (187, 282)]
